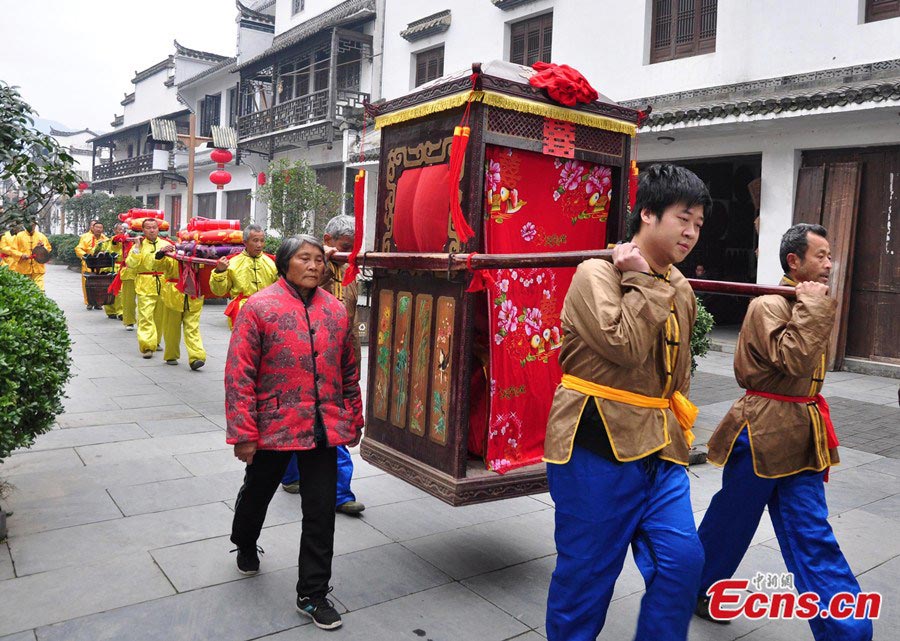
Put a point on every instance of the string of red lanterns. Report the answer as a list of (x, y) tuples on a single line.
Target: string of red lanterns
[(220, 177)]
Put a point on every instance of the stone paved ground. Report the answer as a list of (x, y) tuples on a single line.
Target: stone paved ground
[(122, 516)]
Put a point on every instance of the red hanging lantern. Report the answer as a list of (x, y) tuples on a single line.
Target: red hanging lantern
[(220, 178), (83, 185), (261, 178), (220, 156)]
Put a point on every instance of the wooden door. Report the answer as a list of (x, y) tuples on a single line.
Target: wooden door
[(874, 306), (828, 195)]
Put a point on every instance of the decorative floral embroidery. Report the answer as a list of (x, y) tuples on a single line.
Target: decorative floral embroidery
[(529, 231)]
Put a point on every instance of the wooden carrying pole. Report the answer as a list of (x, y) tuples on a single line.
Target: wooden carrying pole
[(434, 262)]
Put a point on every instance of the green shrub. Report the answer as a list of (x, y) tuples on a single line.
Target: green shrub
[(700, 334), (34, 359), (272, 244), (64, 249)]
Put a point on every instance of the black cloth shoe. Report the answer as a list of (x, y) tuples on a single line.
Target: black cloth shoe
[(702, 611), (197, 364), (321, 610), (248, 559)]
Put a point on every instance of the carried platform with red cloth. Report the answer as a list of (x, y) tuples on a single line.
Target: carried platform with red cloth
[(504, 159)]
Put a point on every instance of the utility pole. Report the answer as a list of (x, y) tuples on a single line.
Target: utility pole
[(191, 141)]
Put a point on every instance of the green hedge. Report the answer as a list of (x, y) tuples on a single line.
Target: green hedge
[(700, 334), (34, 359), (64, 249)]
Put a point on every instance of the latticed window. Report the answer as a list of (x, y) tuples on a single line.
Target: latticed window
[(429, 65), (297, 6), (531, 40), (682, 28), (882, 9)]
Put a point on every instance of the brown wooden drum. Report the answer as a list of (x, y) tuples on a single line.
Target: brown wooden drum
[(96, 286)]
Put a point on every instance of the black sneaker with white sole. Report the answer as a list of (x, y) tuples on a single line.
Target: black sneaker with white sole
[(321, 610), (248, 559)]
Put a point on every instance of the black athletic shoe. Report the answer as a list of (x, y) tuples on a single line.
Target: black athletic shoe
[(248, 559), (702, 611), (321, 610)]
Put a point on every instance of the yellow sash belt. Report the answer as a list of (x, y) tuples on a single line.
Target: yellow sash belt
[(685, 411)]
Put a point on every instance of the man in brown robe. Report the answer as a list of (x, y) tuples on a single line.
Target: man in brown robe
[(618, 434), (777, 442)]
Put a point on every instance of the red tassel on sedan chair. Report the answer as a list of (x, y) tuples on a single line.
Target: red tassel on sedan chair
[(359, 207), (457, 156)]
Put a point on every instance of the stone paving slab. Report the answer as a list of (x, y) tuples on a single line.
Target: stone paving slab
[(380, 574), (230, 612), (426, 516), (44, 514), (449, 612), (20, 636), (490, 546), (177, 493), (28, 462), (94, 542), (82, 419), (519, 590), (209, 562), (170, 427), (58, 595), (6, 565), (75, 437), (211, 462), (180, 444), (38, 485)]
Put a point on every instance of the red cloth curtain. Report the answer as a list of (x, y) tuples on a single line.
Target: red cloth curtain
[(534, 203)]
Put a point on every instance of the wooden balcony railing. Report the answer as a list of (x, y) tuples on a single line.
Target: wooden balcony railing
[(304, 110), (123, 168)]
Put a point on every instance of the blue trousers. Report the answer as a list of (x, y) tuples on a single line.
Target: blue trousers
[(344, 472), (602, 508), (799, 515)]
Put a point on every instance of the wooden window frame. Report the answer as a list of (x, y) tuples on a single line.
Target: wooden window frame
[(423, 60), (543, 26), (210, 113), (882, 10), (698, 44), (297, 6)]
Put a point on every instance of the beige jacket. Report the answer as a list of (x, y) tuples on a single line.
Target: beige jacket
[(780, 350), (614, 333)]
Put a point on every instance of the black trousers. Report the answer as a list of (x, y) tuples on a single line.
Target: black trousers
[(318, 483)]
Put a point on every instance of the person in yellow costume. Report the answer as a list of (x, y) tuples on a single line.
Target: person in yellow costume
[(86, 245), (182, 310), (117, 245), (22, 251), (6, 242), (243, 275), (148, 285)]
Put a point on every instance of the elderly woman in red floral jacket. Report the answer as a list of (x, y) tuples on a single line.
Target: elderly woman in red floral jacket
[(292, 386)]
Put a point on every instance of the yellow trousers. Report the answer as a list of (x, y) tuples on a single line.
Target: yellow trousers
[(128, 302), (84, 284), (172, 325), (150, 318), (38, 280)]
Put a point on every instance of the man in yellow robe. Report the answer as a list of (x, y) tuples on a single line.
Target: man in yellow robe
[(88, 242), (182, 311), (22, 251), (243, 275), (149, 272)]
